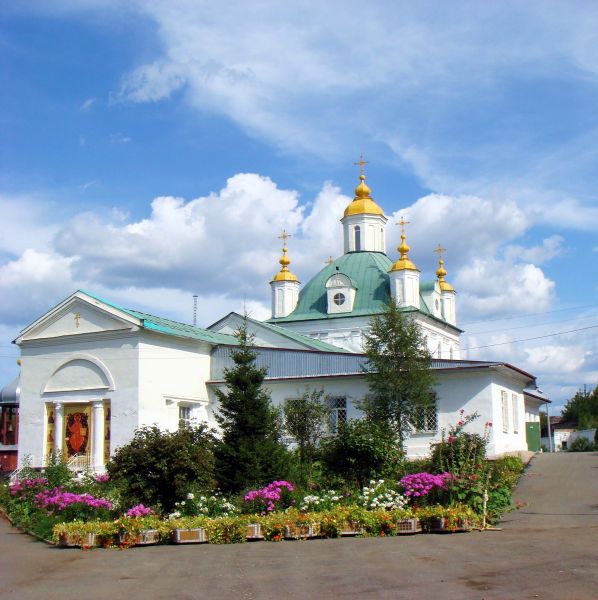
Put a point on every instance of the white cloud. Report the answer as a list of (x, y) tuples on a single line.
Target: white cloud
[(31, 284), (551, 247), (119, 138), (86, 105), (150, 83), (38, 215)]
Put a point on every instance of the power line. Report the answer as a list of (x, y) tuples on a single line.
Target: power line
[(510, 317), (539, 337), (528, 326)]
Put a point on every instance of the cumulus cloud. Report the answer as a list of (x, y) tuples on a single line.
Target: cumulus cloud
[(30, 284)]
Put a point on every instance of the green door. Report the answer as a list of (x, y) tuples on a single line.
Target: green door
[(532, 435)]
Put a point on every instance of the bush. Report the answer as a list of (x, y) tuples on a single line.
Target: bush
[(460, 453), (157, 468), (581, 444), (361, 451)]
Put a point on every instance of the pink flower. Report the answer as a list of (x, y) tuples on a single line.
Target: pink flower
[(139, 511)]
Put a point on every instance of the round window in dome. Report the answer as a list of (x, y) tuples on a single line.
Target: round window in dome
[(339, 299)]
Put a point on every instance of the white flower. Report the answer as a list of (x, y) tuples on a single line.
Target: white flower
[(182, 503), (190, 496)]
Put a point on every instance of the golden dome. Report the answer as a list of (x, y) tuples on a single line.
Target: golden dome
[(445, 286), (284, 274), (403, 263), (363, 203)]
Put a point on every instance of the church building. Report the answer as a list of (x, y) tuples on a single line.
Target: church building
[(92, 372)]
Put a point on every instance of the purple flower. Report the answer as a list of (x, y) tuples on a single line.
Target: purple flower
[(139, 511)]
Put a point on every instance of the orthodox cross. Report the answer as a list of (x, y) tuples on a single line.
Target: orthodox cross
[(284, 236), (402, 223), (77, 319), (329, 261), (361, 164), (439, 251)]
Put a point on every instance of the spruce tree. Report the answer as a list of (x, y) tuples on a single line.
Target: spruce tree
[(250, 452), (398, 371)]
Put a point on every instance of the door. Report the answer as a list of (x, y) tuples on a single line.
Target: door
[(532, 435)]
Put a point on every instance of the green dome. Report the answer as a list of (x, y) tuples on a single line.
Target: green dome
[(368, 272)]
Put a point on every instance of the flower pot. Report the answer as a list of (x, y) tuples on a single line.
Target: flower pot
[(301, 531), (77, 540), (145, 537), (254, 532), (408, 526), (445, 525), (189, 536), (349, 529)]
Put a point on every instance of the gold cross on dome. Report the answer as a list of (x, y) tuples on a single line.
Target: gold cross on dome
[(284, 236), (361, 164), (402, 223), (329, 261), (439, 251), (77, 319)]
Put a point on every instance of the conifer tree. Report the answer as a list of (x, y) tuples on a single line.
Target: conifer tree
[(398, 371), (250, 452)]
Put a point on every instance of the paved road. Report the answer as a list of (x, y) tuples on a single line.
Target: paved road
[(547, 550)]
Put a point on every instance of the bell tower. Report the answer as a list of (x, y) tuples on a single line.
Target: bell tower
[(404, 275), (364, 221), (284, 285)]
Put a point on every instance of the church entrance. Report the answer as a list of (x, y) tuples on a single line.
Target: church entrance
[(77, 421)]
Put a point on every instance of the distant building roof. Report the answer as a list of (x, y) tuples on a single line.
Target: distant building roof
[(11, 392)]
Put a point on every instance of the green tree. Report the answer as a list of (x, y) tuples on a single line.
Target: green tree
[(156, 468), (398, 371), (306, 420), (361, 450), (250, 452), (583, 408)]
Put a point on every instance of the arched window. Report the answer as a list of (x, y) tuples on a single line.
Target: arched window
[(357, 238)]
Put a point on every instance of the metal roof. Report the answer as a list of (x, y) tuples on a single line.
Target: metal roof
[(11, 392), (369, 273)]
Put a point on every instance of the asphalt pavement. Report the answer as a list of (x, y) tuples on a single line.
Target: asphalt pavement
[(547, 549)]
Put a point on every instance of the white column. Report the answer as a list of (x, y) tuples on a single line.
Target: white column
[(98, 435), (58, 426)]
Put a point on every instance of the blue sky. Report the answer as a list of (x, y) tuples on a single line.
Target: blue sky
[(152, 150)]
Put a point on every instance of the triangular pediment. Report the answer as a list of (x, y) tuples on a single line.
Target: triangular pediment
[(78, 315)]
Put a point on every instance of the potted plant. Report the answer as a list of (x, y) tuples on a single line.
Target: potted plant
[(188, 530)]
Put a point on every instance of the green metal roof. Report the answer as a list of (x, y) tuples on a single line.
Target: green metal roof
[(298, 337), (368, 271), (153, 323)]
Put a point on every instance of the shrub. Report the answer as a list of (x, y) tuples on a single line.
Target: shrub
[(57, 472), (361, 451), (274, 496), (581, 444), (157, 468), (460, 452)]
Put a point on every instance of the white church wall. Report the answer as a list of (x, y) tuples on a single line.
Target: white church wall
[(458, 390), (172, 373), (348, 333), (343, 332), (117, 353), (508, 422)]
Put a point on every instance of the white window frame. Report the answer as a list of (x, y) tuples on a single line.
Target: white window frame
[(504, 399), (187, 420), (425, 419), (338, 412), (515, 403)]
